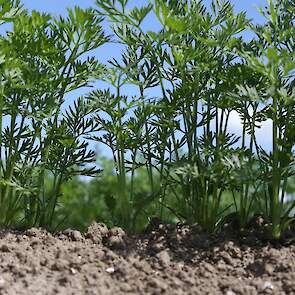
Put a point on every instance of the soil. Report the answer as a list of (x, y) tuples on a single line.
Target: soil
[(167, 259)]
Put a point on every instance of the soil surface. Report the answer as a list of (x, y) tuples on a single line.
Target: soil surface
[(167, 259)]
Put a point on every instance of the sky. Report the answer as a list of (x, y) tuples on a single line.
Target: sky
[(58, 7)]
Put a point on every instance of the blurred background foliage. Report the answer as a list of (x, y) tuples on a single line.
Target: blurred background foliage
[(84, 201)]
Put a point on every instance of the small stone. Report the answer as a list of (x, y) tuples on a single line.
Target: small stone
[(221, 266), (63, 280), (4, 248), (76, 235), (267, 286), (33, 232), (34, 269), (117, 231), (227, 258), (228, 245), (34, 242), (60, 265), (21, 256), (125, 288), (210, 268), (158, 284), (43, 261), (157, 247), (162, 228), (96, 232), (164, 258), (73, 271), (116, 242), (110, 270), (117, 238), (230, 292), (269, 269), (101, 227), (2, 283)]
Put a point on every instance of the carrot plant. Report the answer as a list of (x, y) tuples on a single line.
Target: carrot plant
[(130, 132), (205, 72), (271, 55), (200, 73), (188, 61), (188, 80), (128, 137), (41, 133)]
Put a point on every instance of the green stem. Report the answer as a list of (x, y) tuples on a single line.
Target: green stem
[(1, 127), (124, 201), (276, 232)]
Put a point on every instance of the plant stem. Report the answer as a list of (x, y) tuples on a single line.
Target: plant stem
[(276, 232)]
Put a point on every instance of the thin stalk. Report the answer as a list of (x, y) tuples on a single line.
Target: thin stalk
[(276, 232), (1, 139), (7, 175), (148, 140), (56, 189), (287, 151), (124, 206)]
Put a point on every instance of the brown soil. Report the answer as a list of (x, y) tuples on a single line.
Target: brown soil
[(166, 260)]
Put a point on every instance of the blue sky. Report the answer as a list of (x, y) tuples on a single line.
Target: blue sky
[(103, 54), (59, 6), (107, 52)]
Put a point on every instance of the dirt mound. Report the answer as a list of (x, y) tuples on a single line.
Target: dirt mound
[(166, 260)]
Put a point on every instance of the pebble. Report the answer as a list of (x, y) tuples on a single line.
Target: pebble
[(157, 247), (116, 242), (269, 269), (4, 248), (33, 232), (76, 235), (209, 267), (110, 270), (73, 271), (96, 232), (117, 231), (156, 283), (164, 258), (60, 265), (227, 258), (267, 286), (2, 283)]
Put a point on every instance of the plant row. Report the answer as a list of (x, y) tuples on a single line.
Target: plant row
[(166, 113)]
